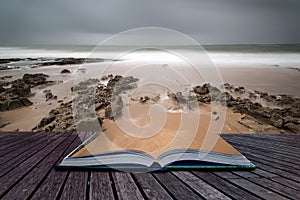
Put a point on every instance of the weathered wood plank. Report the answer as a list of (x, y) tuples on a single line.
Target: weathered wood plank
[(264, 173), (25, 186), (275, 144), (125, 186), (7, 136), (271, 153), (279, 172), (76, 186), (242, 180), (20, 157), (279, 188), (13, 176), (51, 186), (270, 158), (100, 186), (150, 186), (204, 189), (225, 186), (265, 147), (286, 182), (176, 187), (19, 144), (19, 149)]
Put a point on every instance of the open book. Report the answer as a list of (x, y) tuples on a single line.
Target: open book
[(171, 147), (177, 158)]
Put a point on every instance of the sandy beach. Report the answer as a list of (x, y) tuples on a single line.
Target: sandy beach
[(264, 77), (272, 80)]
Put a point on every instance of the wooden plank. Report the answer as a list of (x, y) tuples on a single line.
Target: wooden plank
[(51, 186), (76, 186), (286, 191), (201, 187), (268, 167), (19, 144), (10, 140), (176, 187), (125, 186), (288, 146), (13, 176), (265, 147), (286, 182), (101, 186), (270, 158), (271, 153), (291, 138), (245, 174), (25, 186), (9, 135), (264, 173), (269, 162), (242, 180), (257, 189), (18, 150), (20, 157), (77, 179), (150, 186), (225, 186)]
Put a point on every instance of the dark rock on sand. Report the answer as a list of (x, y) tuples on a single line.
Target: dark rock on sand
[(15, 94), (144, 99), (49, 95), (65, 71), (13, 104), (35, 79)]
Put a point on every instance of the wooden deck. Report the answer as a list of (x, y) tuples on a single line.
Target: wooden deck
[(27, 171)]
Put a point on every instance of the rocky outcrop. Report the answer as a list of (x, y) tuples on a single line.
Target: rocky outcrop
[(15, 94), (90, 96), (283, 115)]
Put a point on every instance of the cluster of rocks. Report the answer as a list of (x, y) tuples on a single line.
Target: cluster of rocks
[(6, 64), (287, 116), (90, 96), (14, 94), (59, 119), (49, 95)]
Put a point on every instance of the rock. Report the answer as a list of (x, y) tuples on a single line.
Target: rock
[(3, 105), (293, 127), (240, 90), (35, 79), (13, 104), (25, 101), (104, 78), (65, 71), (202, 89), (3, 124), (49, 95), (144, 99)]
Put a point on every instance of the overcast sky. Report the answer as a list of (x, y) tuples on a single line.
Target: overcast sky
[(91, 21)]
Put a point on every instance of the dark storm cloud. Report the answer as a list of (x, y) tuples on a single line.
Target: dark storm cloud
[(207, 21)]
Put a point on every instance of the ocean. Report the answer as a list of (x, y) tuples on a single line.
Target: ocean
[(220, 55)]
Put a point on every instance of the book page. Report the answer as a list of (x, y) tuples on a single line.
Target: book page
[(180, 130)]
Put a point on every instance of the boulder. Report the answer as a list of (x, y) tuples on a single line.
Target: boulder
[(25, 101), (13, 104), (65, 71)]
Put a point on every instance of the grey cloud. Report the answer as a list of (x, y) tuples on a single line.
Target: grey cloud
[(207, 21)]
